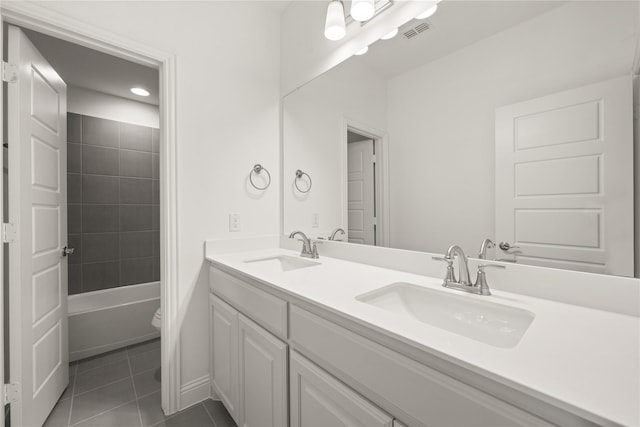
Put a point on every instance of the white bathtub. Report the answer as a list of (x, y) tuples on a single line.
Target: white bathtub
[(105, 320)]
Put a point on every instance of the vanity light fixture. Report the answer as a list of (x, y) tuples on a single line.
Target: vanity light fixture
[(362, 51), (334, 27), (139, 91), (427, 13), (390, 35), (362, 10)]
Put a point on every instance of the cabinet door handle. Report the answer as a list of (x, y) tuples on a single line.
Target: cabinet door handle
[(67, 251)]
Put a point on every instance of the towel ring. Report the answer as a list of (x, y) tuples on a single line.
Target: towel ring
[(256, 170), (299, 175)]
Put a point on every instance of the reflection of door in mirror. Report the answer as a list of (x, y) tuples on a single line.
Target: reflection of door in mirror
[(563, 167), (361, 215)]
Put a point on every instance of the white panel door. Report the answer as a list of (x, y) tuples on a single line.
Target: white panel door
[(319, 400), (37, 108), (564, 179), (263, 377), (360, 193), (224, 353)]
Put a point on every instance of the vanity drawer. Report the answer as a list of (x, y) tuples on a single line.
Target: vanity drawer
[(410, 390), (265, 309)]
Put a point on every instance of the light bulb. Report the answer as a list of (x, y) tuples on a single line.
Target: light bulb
[(139, 91), (362, 10), (427, 13), (390, 35), (362, 51), (334, 27)]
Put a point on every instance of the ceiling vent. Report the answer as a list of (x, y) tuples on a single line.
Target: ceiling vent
[(414, 31)]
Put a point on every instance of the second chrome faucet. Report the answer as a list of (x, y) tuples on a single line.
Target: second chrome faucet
[(480, 287)]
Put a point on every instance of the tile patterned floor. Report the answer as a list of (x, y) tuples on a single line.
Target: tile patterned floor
[(122, 389)]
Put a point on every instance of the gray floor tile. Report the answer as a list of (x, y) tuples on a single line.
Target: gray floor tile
[(151, 409), (145, 361), (90, 404), (143, 347), (100, 376), (68, 392), (101, 360), (146, 382), (59, 417), (195, 416), (73, 368), (219, 413), (123, 416)]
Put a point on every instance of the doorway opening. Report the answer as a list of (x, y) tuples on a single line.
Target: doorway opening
[(366, 217), (92, 152)]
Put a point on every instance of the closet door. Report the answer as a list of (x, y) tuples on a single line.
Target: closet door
[(224, 351), (263, 377)]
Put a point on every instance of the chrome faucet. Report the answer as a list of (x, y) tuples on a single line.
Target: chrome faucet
[(309, 249), (463, 264), (486, 244), (333, 235), (480, 287)]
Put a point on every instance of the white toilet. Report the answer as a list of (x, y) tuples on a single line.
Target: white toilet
[(156, 321)]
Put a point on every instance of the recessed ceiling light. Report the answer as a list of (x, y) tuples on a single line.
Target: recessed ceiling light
[(390, 35), (362, 51), (427, 13), (139, 91)]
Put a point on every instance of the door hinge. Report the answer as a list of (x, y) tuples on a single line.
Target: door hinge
[(8, 233), (11, 393), (9, 72)]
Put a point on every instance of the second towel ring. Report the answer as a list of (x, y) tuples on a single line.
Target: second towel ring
[(299, 175), (257, 169)]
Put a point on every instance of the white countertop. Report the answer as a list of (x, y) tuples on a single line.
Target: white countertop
[(583, 360)]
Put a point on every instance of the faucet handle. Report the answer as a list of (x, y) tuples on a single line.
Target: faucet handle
[(450, 277), (481, 267), (481, 280)]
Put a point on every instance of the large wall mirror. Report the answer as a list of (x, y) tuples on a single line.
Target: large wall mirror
[(508, 120)]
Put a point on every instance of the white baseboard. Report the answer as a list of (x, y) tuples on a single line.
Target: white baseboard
[(195, 391)]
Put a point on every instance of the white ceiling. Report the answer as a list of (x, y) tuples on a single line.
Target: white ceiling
[(456, 24), (87, 68)]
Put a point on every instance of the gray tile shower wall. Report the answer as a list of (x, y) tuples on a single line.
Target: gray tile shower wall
[(113, 203)]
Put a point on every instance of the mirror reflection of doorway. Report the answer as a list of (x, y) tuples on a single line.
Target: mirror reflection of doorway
[(362, 199)]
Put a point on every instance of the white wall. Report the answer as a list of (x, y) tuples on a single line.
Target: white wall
[(98, 104), (227, 119), (315, 142), (441, 115)]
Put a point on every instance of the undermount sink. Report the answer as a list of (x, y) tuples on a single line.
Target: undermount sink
[(282, 263), (479, 319)]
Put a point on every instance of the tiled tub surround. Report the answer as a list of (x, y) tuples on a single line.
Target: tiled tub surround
[(113, 203), (579, 358)]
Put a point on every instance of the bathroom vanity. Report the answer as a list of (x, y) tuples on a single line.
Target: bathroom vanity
[(332, 341)]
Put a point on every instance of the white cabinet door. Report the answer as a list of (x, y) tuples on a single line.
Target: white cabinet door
[(263, 377), (319, 400), (224, 351)]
